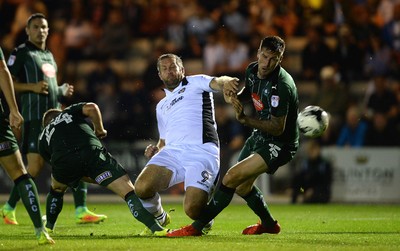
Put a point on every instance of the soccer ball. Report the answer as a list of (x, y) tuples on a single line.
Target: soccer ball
[(313, 121)]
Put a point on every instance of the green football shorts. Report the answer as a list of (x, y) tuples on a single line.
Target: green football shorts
[(274, 153), (93, 162), (8, 142)]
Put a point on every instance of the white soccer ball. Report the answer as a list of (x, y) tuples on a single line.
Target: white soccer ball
[(313, 121)]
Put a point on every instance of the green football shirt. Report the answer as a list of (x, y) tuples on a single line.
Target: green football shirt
[(1, 58), (1, 54), (30, 64), (67, 133), (277, 96)]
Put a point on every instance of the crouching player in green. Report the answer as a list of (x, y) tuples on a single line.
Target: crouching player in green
[(74, 150), (11, 158)]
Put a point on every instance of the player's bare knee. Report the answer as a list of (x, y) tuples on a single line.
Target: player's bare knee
[(143, 190), (34, 170), (193, 210), (232, 179)]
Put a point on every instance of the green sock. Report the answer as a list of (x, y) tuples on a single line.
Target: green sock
[(80, 195), (140, 213), (256, 202), (54, 205), (222, 197), (29, 195), (14, 197)]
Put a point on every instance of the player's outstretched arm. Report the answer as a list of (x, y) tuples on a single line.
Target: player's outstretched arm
[(92, 111), (227, 85)]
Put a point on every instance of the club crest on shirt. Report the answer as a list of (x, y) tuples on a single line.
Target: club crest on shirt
[(274, 101), (182, 90), (49, 70), (11, 60), (258, 105)]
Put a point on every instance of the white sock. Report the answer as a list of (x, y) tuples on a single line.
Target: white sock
[(153, 205)]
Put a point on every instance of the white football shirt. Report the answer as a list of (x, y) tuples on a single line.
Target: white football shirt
[(186, 115)]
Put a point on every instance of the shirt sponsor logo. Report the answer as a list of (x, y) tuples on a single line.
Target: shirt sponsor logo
[(173, 102), (274, 101), (257, 102), (103, 176), (11, 60), (5, 145), (49, 70)]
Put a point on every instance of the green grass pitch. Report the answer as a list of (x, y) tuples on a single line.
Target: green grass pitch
[(304, 227)]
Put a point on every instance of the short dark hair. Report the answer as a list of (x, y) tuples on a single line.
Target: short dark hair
[(35, 16), (49, 115), (273, 43)]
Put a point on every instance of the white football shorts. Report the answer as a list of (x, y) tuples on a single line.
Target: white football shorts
[(195, 165)]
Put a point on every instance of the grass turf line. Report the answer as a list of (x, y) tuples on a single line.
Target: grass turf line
[(304, 227)]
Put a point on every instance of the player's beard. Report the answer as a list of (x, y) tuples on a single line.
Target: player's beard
[(172, 82)]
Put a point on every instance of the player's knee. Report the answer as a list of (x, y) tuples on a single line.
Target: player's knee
[(34, 171), (232, 179), (193, 210), (142, 190)]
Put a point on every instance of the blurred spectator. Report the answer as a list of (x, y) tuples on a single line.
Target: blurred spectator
[(211, 53), (313, 177), (349, 59), (286, 18), (226, 55), (115, 39), (332, 97), (176, 34), (24, 9), (315, 55), (231, 134), (134, 120), (385, 10), (97, 14), (335, 13), (106, 98), (378, 57), (261, 13), (381, 133), (56, 44), (153, 85), (391, 36), (199, 26), (382, 99), (352, 133), (153, 18), (78, 33), (234, 19), (362, 26), (99, 77)]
